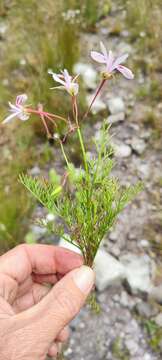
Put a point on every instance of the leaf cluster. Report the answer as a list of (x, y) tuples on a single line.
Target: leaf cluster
[(96, 199)]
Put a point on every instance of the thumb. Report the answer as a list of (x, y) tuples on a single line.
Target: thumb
[(61, 304)]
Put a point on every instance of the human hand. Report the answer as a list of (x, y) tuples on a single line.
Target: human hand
[(34, 317)]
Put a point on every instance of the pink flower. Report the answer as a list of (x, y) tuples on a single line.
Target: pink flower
[(67, 82), (112, 63), (18, 109)]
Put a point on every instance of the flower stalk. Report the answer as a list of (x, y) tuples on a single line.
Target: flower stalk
[(94, 98)]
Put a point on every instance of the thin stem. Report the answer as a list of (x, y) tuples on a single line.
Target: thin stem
[(45, 114), (83, 149), (69, 241), (52, 120), (75, 112), (94, 98), (40, 108), (46, 127), (64, 155)]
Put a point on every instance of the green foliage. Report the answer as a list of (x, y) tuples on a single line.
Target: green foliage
[(15, 205), (155, 334), (94, 305), (43, 191), (119, 351), (54, 177), (96, 199), (144, 21), (91, 12)]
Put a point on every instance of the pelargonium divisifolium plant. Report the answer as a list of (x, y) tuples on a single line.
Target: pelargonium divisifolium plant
[(88, 207)]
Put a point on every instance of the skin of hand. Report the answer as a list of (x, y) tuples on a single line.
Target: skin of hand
[(42, 288)]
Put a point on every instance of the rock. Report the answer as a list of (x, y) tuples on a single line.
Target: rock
[(38, 232), (67, 245), (98, 125), (147, 356), (113, 236), (3, 29), (138, 270), (116, 105), (156, 293), (122, 150), (114, 250), (68, 351), (144, 170), (98, 105), (109, 271), (143, 243), (138, 145), (125, 33), (124, 299), (35, 171), (145, 134), (116, 118), (132, 346), (146, 310), (88, 73), (158, 319)]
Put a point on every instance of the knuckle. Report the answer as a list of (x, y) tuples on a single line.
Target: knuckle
[(21, 247)]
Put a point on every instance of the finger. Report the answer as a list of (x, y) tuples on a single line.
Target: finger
[(54, 350), (25, 259), (59, 307), (63, 335), (24, 287), (50, 279), (32, 297)]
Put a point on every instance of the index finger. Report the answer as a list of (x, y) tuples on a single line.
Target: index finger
[(24, 260)]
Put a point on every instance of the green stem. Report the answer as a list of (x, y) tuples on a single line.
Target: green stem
[(83, 149), (64, 155), (75, 113)]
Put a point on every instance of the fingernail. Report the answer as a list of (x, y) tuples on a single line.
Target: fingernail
[(84, 279)]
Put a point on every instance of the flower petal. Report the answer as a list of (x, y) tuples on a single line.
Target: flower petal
[(67, 77), (21, 99), (61, 87), (119, 60), (23, 116), (125, 71), (110, 61), (98, 57), (9, 118), (13, 108), (56, 77), (103, 50)]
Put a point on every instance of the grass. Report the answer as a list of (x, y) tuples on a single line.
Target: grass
[(119, 351), (143, 18), (155, 335), (32, 45), (41, 44), (15, 206)]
